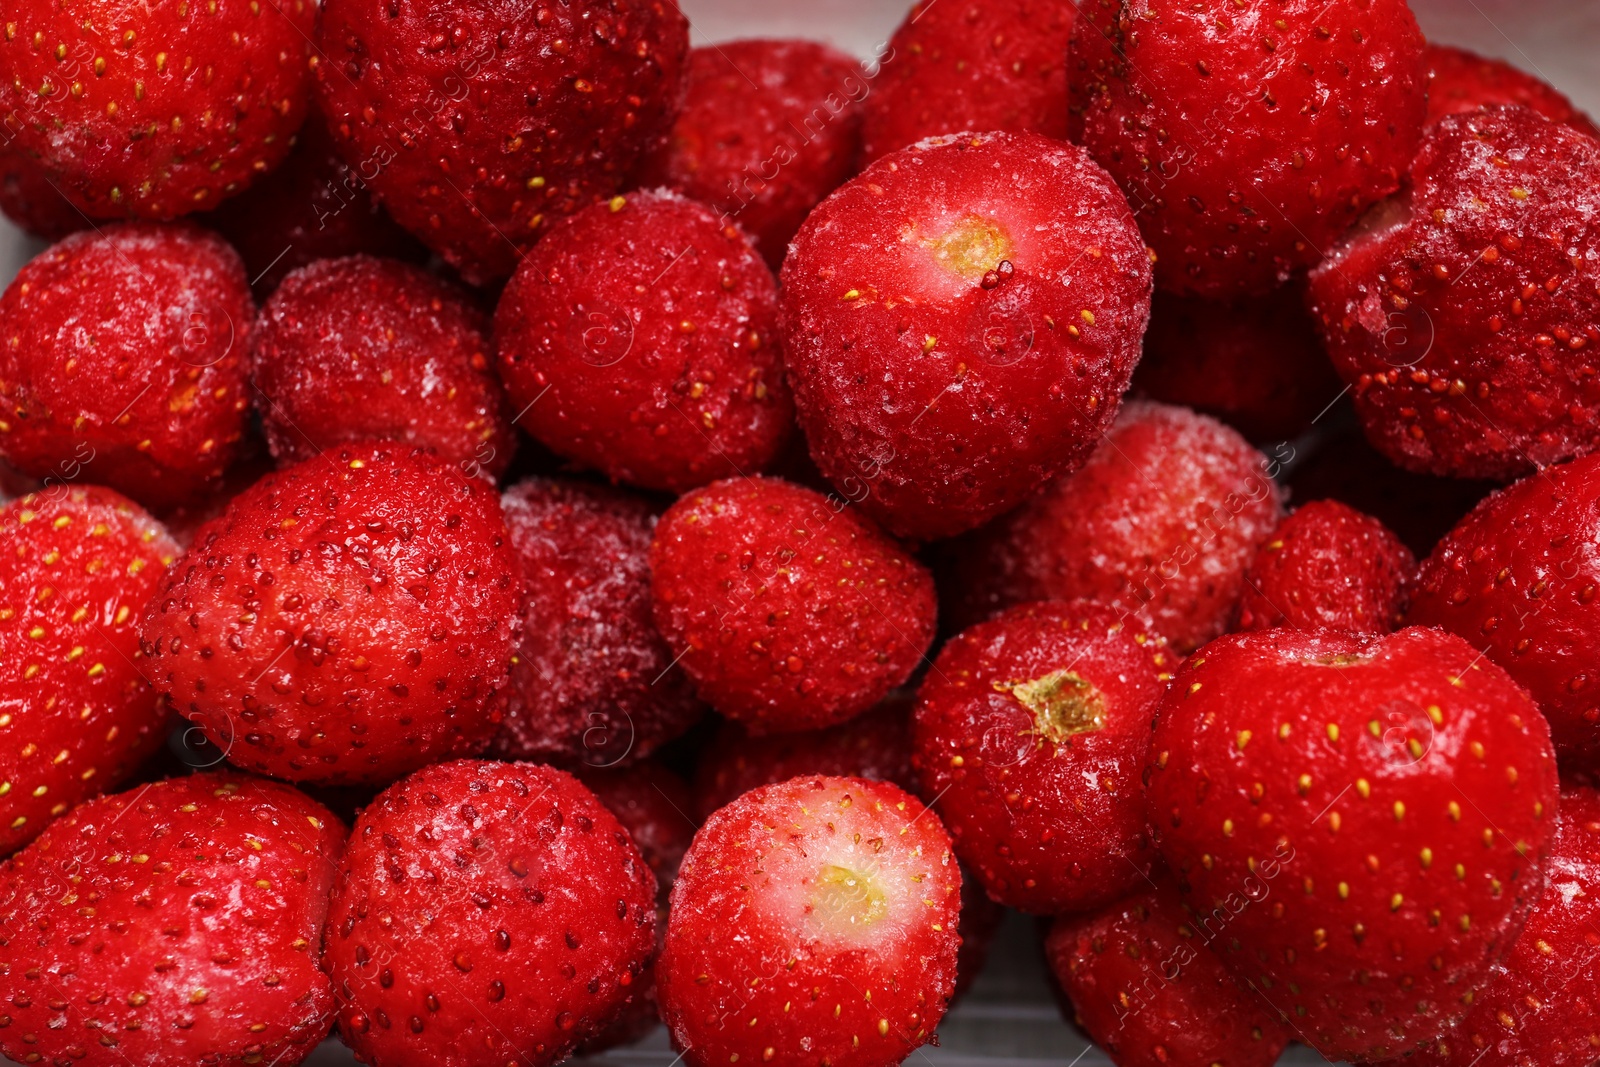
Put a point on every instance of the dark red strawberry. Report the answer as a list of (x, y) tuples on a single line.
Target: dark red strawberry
[(1461, 81), (479, 124), (1357, 822), (345, 621), (1030, 732), (173, 924), (123, 359), (31, 200), (359, 349), (486, 913), (786, 612), (1328, 565), (76, 714), (1144, 983), (1248, 134), (155, 110), (845, 896)]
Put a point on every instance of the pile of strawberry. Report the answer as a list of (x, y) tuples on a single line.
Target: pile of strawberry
[(518, 529)]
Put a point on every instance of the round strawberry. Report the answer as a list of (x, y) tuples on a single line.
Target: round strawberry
[(1328, 565), (478, 124), (952, 346), (845, 897), (123, 353), (641, 338), (31, 200), (486, 913), (971, 65), (1465, 316), (1030, 731), (345, 621), (361, 349), (593, 684), (1247, 134), (1363, 818), (173, 924), (76, 714), (786, 612), (155, 110), (1460, 81)]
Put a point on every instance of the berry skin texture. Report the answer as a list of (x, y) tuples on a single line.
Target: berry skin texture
[(640, 338), (593, 684), (1463, 313), (123, 355), (76, 714), (477, 141), (154, 111), (790, 614), (1144, 983), (1460, 81), (1248, 136), (31, 201), (1160, 523), (968, 66), (361, 348), (960, 322), (1515, 579), (176, 923), (486, 913), (1052, 703), (839, 887), (1393, 796), (1328, 565), (769, 128), (345, 621)]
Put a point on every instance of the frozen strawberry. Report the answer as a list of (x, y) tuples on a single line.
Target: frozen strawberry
[(186, 520), (346, 621), (1517, 580), (1359, 822), (1465, 313), (1144, 983), (768, 129), (1030, 732), (486, 913), (971, 66), (786, 612), (76, 714), (961, 321), (313, 206), (593, 684), (1328, 565), (1461, 81), (174, 924), (155, 110), (361, 348), (641, 338), (477, 125), (31, 200), (124, 352), (846, 898), (1247, 134), (1160, 523), (1255, 364)]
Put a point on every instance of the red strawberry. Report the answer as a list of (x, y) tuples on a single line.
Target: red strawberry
[(345, 621), (76, 713), (786, 613), (1358, 823), (174, 924), (1145, 985), (1461, 81), (31, 200), (155, 110), (845, 898), (1248, 134), (1465, 315), (360, 349), (477, 124), (123, 354), (1328, 565), (1030, 731), (486, 913)]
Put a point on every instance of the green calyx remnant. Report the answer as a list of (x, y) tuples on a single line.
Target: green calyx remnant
[(1063, 704)]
